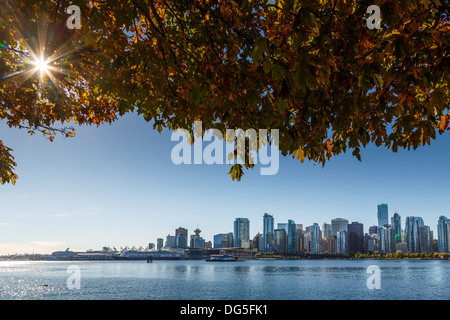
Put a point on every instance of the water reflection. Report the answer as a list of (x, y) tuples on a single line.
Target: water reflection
[(235, 280)]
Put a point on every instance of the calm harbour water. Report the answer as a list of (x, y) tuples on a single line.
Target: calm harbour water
[(246, 280)]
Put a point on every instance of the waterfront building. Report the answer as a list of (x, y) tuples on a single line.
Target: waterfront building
[(242, 233), (383, 215), (373, 230), (369, 242), (171, 241), (223, 240), (159, 244), (181, 241), (329, 244), (443, 229), (316, 239), (401, 247), (397, 225), (339, 224), (258, 242), (386, 239), (326, 230), (307, 239), (199, 242), (182, 231), (355, 237), (292, 236), (342, 241), (424, 239), (300, 238), (412, 226), (268, 229), (280, 240), (196, 240)]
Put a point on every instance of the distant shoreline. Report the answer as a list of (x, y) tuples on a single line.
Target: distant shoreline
[(267, 257)]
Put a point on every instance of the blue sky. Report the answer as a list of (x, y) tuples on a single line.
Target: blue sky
[(116, 185)]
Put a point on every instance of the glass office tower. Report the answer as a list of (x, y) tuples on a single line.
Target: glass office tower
[(292, 236), (355, 237), (383, 215), (268, 236), (443, 234), (316, 239), (342, 241), (397, 225), (241, 233), (280, 240), (339, 224), (412, 226)]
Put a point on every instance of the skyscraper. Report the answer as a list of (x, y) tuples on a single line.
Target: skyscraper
[(386, 239), (268, 228), (443, 228), (355, 237), (339, 224), (223, 240), (181, 241), (280, 240), (383, 215), (181, 230), (242, 232), (159, 243), (292, 236), (397, 225), (412, 226), (342, 241), (326, 230), (315, 239), (424, 239)]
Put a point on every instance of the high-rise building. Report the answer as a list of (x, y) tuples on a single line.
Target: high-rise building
[(283, 226), (199, 242), (424, 239), (355, 237), (397, 225), (181, 230), (268, 228), (307, 239), (342, 241), (292, 236), (300, 238), (373, 230), (257, 242), (412, 226), (326, 230), (339, 224), (280, 239), (181, 241), (316, 239), (159, 244), (369, 242), (242, 233), (386, 239), (171, 241), (195, 236), (383, 215), (223, 240), (443, 228), (329, 244)]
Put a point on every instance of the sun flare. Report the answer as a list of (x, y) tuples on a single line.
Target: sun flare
[(41, 65)]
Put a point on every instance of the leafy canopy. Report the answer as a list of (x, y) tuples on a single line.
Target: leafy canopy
[(311, 69)]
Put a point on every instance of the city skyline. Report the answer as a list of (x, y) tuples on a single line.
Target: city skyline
[(116, 185)]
